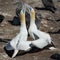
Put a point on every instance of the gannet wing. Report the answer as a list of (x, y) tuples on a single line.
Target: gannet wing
[(24, 45), (12, 44), (40, 43)]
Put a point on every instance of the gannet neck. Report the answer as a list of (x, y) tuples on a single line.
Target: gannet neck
[(22, 17), (33, 27), (32, 15)]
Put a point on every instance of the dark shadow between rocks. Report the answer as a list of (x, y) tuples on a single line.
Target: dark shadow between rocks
[(55, 56), (15, 21), (33, 50), (4, 40), (44, 8), (48, 5), (58, 32), (58, 20), (1, 18)]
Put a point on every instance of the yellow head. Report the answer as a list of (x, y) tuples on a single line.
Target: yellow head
[(22, 16), (32, 14)]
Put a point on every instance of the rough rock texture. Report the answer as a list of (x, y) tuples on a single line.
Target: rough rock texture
[(49, 22)]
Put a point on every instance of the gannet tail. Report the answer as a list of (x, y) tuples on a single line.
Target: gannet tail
[(15, 53), (52, 46)]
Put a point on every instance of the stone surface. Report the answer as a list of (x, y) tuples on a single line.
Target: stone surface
[(49, 22)]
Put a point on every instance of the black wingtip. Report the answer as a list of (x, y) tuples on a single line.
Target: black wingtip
[(9, 52)]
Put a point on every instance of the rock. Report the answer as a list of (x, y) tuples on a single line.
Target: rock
[(56, 56), (1, 18)]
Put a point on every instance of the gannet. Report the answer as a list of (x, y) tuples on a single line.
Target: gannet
[(20, 41), (44, 39)]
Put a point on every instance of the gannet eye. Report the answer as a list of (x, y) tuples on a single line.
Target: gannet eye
[(30, 8), (23, 11)]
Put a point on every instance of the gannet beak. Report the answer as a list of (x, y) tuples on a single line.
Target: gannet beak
[(31, 11), (15, 53)]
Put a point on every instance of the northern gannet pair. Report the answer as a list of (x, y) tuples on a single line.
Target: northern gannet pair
[(20, 41)]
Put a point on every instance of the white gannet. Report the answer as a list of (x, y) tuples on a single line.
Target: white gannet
[(20, 41), (44, 39), (23, 44)]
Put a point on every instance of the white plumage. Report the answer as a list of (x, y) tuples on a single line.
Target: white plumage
[(40, 43)]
